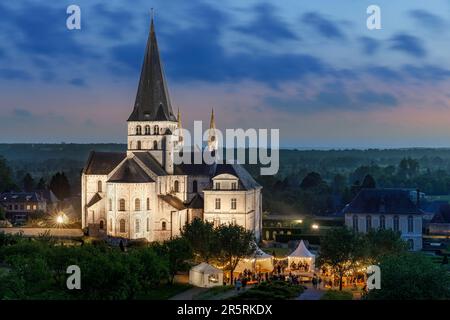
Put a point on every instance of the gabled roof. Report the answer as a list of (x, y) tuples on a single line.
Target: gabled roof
[(173, 201), (383, 201), (301, 252), (150, 162), (103, 163), (443, 216), (20, 197), (130, 172), (246, 180), (197, 202), (96, 198), (152, 98)]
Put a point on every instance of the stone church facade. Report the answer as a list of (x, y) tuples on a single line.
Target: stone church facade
[(141, 193)]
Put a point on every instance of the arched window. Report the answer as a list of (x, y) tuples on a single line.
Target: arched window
[(382, 222), (122, 205), (148, 224), (137, 225), (148, 203), (110, 224), (139, 145), (110, 204), (163, 225), (156, 130), (410, 224), (102, 224), (396, 223), (122, 225), (137, 204), (99, 186), (194, 186), (176, 186), (368, 223), (147, 129), (138, 130), (355, 223), (155, 145)]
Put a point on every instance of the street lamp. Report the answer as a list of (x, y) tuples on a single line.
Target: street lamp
[(315, 226), (60, 219)]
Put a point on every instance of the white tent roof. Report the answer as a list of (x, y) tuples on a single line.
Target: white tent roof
[(259, 254), (301, 251), (205, 268)]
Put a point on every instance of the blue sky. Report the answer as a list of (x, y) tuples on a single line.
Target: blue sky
[(309, 68)]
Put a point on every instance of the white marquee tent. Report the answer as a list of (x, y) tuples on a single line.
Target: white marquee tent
[(302, 255), (258, 262), (205, 275)]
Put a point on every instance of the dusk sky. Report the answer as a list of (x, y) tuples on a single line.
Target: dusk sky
[(309, 68)]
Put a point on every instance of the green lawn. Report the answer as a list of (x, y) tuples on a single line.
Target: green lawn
[(214, 293), (165, 292), (337, 295)]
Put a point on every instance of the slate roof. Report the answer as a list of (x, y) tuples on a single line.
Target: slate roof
[(196, 202), (152, 99), (96, 198), (383, 201), (443, 216), (103, 162), (20, 197), (130, 172), (245, 179), (173, 201), (151, 163)]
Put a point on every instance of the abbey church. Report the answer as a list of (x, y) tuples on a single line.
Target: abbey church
[(142, 193)]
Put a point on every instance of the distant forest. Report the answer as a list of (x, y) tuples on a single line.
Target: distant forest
[(308, 182)]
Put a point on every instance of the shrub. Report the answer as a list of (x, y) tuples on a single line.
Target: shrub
[(337, 295)]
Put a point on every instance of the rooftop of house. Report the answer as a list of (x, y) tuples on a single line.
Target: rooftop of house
[(20, 197), (383, 201)]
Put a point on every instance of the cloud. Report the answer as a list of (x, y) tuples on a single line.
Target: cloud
[(21, 113), (408, 44), (426, 72), (114, 22), (376, 98), (369, 46), (324, 26), (14, 74), (78, 82), (267, 26), (427, 19), (384, 73)]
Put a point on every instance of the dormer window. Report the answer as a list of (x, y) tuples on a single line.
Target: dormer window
[(234, 186)]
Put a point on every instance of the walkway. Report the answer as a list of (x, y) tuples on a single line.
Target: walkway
[(189, 294), (310, 293), (34, 232)]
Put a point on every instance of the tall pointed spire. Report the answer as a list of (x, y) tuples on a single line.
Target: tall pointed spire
[(212, 139), (179, 118), (212, 123), (152, 98)]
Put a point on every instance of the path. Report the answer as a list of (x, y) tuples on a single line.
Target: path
[(34, 232), (189, 294), (310, 293)]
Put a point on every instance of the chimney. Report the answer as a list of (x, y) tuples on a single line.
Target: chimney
[(418, 198)]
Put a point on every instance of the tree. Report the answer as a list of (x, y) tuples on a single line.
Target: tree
[(6, 181), (340, 248), (2, 213), (312, 179), (368, 182), (28, 183), (380, 243), (41, 185), (202, 239), (60, 186), (177, 251), (235, 243), (411, 276)]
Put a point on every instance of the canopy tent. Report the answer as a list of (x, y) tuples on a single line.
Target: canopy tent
[(301, 255), (206, 276), (259, 261)]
